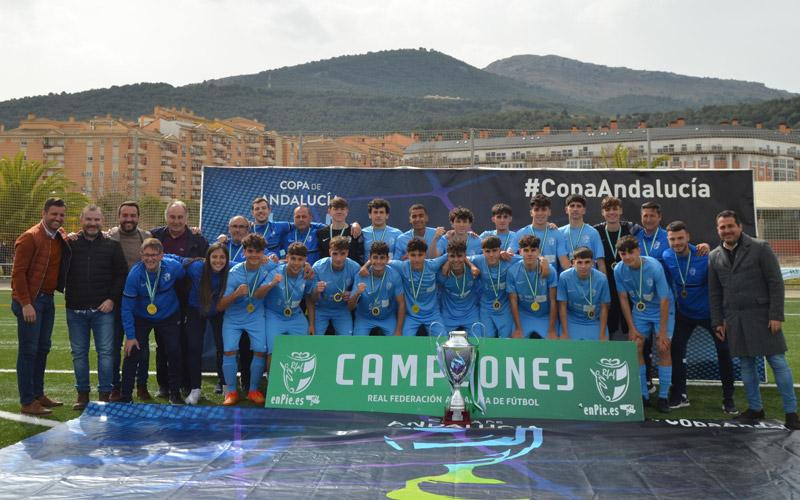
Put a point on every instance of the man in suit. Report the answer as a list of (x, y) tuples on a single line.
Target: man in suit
[(747, 295)]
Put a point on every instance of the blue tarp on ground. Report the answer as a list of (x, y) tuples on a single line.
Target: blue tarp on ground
[(142, 451)]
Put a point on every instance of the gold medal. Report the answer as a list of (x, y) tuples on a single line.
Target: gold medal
[(376, 311), (337, 297), (415, 308), (287, 312), (251, 307), (640, 306), (496, 305), (613, 265), (152, 309), (684, 293), (590, 314), (534, 306)]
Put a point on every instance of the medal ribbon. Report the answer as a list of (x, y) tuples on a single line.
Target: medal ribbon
[(330, 231), (461, 289), (680, 273), (569, 235), (534, 289), (376, 293), (152, 289), (496, 290), (415, 292), (230, 251), (641, 276), (288, 292), (644, 242), (251, 289), (308, 233), (340, 289), (590, 299), (612, 245)]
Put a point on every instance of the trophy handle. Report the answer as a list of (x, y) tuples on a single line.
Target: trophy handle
[(472, 331), (431, 329)]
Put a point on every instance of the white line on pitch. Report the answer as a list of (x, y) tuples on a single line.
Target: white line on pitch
[(25, 419)]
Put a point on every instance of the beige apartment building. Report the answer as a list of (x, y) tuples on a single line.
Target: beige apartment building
[(162, 155)]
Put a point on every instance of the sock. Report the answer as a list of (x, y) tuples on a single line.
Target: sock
[(229, 370), (256, 371), (664, 381), (643, 381)]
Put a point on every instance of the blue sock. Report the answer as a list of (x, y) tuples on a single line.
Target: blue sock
[(643, 381), (664, 381), (229, 366), (256, 371)]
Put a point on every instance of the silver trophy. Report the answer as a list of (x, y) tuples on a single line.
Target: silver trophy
[(456, 360)]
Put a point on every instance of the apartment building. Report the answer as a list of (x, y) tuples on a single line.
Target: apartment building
[(774, 155)]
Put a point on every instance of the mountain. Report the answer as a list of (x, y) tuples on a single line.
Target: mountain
[(405, 72), (623, 90), (408, 89)]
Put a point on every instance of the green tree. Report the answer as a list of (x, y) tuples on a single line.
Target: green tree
[(24, 187), (619, 157)]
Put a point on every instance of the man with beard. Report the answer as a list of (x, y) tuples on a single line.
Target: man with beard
[(130, 237), (95, 280)]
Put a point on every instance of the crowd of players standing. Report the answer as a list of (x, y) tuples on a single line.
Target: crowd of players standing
[(616, 280)]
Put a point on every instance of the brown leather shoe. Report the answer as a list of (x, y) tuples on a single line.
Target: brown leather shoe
[(104, 397), (83, 400), (142, 394), (34, 408), (47, 402), (114, 396)]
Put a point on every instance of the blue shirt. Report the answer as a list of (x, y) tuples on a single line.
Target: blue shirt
[(493, 283), (585, 236), (552, 243), (340, 281), (307, 238), (654, 287), (459, 294), (419, 287), (380, 292), (694, 272), (387, 235), (289, 292), (579, 295), (136, 298), (274, 233), (530, 286), (653, 245), (401, 243), (195, 273), (240, 275), (473, 245), (508, 240), (236, 252)]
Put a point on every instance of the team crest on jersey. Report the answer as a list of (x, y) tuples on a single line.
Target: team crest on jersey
[(166, 277), (612, 379), (692, 271), (656, 244), (299, 371)]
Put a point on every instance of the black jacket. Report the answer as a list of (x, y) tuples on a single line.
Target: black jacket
[(197, 242), (97, 271)]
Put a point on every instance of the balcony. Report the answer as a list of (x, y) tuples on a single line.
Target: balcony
[(198, 156), (168, 154), (54, 150), (254, 144), (138, 182), (137, 166), (168, 168), (219, 161), (218, 146), (269, 146), (167, 183), (137, 150)]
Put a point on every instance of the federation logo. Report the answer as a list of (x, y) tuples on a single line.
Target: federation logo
[(612, 379), (299, 371)]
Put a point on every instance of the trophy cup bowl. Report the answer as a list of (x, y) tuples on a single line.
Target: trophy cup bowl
[(456, 360)]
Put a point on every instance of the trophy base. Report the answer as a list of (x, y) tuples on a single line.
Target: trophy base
[(461, 418)]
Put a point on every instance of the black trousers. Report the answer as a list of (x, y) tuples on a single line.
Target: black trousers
[(168, 339), (195, 336), (684, 327)]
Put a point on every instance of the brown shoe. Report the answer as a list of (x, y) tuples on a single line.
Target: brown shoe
[(104, 397), (114, 396), (142, 394), (83, 400), (47, 402), (34, 408)]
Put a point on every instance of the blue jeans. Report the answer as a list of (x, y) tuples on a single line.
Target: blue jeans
[(34, 346), (80, 323), (783, 379)]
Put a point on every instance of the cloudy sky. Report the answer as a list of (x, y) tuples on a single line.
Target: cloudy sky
[(53, 46)]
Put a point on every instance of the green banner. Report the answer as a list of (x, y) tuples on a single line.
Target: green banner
[(577, 380)]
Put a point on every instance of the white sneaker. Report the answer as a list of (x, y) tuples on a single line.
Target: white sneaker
[(193, 397)]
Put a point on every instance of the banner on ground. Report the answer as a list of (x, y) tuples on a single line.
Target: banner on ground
[(694, 196), (574, 380)]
